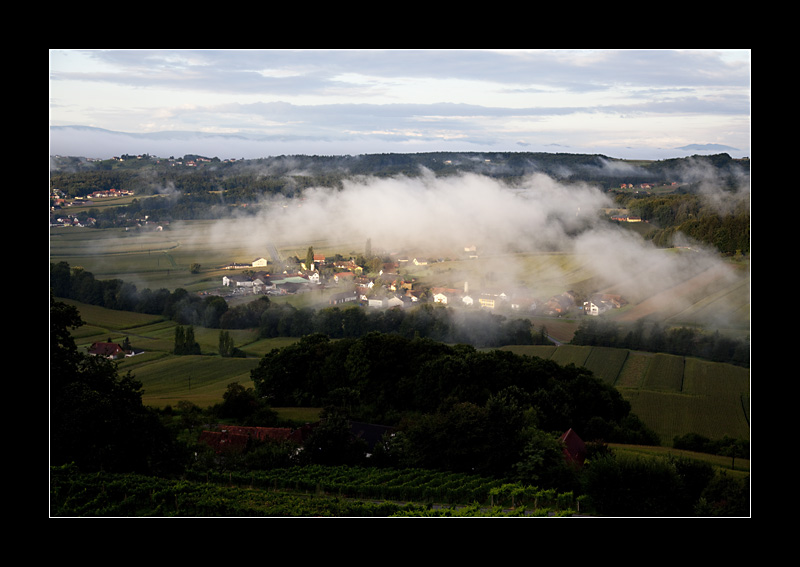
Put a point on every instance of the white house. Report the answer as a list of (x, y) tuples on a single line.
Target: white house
[(259, 262), (238, 281), (312, 276), (594, 309)]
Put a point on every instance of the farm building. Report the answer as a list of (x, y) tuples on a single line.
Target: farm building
[(234, 438), (108, 350), (237, 281), (601, 303), (346, 297), (574, 448)]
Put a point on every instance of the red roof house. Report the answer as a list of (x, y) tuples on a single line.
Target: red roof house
[(574, 448), (109, 350)]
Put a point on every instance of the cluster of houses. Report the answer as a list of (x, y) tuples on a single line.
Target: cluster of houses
[(58, 200), (389, 289), (107, 193), (642, 186), (626, 218), (71, 220)]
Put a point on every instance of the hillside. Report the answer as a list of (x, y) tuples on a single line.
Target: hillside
[(672, 395), (434, 293)]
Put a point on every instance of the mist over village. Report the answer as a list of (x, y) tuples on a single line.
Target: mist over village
[(438, 293)]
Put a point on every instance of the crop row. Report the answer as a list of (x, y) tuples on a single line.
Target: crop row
[(418, 485), (305, 491), (356, 482), (122, 495)]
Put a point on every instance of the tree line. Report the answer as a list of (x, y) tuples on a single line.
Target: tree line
[(380, 378), (687, 214), (273, 319), (433, 321), (653, 337)]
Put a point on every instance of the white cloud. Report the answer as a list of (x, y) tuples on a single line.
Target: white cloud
[(485, 100)]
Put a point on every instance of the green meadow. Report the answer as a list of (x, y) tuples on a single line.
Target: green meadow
[(166, 378), (673, 395)]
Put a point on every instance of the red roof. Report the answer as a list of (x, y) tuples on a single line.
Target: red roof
[(266, 433), (106, 349), (574, 447), (235, 437), (223, 442)]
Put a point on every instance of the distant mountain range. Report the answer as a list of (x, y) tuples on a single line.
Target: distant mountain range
[(88, 141), (708, 148)]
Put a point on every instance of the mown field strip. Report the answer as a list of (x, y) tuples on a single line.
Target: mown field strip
[(671, 394), (665, 373)]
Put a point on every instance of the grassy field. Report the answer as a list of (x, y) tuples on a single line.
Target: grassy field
[(673, 395), (167, 378), (739, 468)]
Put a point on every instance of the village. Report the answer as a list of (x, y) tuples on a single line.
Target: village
[(347, 283)]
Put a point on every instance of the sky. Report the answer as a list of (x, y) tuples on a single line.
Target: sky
[(630, 104)]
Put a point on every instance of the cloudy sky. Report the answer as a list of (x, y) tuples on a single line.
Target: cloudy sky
[(651, 104)]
